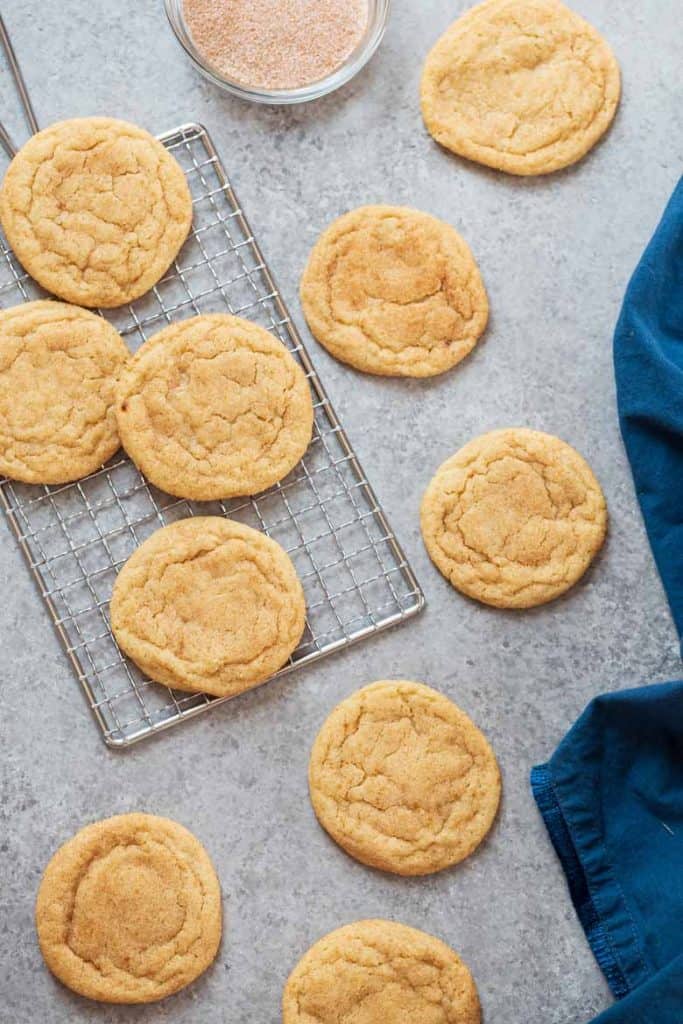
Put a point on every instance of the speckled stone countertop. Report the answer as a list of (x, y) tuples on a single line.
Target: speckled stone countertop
[(556, 254)]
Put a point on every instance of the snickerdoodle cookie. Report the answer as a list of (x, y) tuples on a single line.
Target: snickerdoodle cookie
[(129, 910), (514, 518), (380, 972), (96, 210), (403, 780), (214, 407), (58, 370), (208, 605), (525, 86), (394, 291)]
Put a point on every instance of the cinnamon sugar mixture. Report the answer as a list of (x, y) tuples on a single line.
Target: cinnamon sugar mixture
[(276, 44)]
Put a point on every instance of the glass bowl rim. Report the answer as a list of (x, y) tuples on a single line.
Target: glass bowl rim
[(379, 11)]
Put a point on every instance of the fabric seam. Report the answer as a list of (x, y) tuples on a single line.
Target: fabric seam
[(591, 920)]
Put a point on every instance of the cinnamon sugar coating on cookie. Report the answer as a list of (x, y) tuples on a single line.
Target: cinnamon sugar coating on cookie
[(395, 292), (514, 518), (403, 780), (380, 972), (208, 605), (58, 370), (96, 210), (214, 407), (129, 910), (524, 86)]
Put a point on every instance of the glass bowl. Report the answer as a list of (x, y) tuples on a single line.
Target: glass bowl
[(378, 16)]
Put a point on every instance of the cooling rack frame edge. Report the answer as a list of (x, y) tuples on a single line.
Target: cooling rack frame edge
[(114, 742)]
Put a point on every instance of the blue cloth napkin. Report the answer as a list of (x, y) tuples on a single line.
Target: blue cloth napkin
[(612, 794), (648, 361), (612, 800)]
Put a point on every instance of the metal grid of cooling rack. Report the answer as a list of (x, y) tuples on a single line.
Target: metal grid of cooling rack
[(76, 537)]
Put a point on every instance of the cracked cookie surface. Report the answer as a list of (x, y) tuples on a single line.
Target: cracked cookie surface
[(129, 910), (403, 780), (395, 292), (214, 407), (208, 605), (380, 972), (58, 370), (514, 519), (524, 86), (96, 210)]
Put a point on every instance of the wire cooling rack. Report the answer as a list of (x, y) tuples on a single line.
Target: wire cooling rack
[(76, 537)]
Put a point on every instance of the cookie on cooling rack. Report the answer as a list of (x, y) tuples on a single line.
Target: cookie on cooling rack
[(58, 370), (96, 210), (208, 605), (403, 780), (214, 407), (393, 291), (129, 910), (514, 519), (380, 972)]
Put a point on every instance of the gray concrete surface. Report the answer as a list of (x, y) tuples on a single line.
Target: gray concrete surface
[(556, 255)]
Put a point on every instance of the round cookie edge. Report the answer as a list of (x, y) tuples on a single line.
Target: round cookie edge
[(26, 251), (157, 473), (321, 330), (397, 930), (528, 165), (159, 670), (44, 906), (87, 466), (440, 562), (347, 843)]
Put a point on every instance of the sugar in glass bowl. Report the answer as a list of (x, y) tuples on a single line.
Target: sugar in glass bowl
[(377, 18)]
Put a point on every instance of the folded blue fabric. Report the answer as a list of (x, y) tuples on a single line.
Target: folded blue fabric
[(648, 361), (612, 800), (612, 794)]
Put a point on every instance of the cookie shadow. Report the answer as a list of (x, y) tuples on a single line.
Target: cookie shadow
[(522, 182), (340, 378), (413, 883), (75, 1007), (564, 599)]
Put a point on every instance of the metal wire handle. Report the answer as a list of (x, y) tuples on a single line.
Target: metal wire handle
[(5, 138)]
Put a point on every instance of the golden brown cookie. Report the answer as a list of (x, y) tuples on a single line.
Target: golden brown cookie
[(208, 605), (514, 518), (380, 972), (214, 407), (129, 910), (95, 210), (393, 291), (525, 86), (403, 780), (58, 370)]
